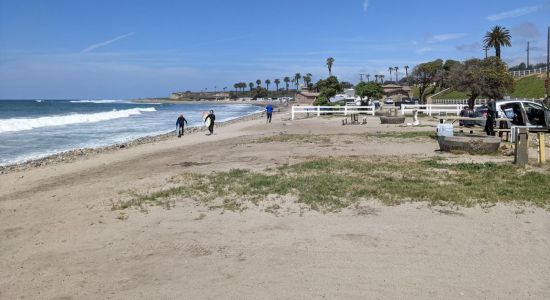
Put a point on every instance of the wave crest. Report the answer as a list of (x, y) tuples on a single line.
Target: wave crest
[(21, 124)]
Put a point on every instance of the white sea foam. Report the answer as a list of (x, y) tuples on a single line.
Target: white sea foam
[(20, 124)]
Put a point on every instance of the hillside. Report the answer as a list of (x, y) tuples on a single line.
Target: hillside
[(526, 87)]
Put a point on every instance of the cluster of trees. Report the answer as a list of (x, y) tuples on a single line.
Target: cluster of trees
[(523, 66), (487, 77), (257, 91)]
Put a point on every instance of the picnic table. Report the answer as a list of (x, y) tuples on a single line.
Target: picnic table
[(502, 129), (458, 118)]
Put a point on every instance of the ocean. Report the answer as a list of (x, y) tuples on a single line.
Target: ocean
[(31, 129)]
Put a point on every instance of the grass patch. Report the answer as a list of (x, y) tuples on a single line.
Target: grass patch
[(332, 184), (529, 87), (406, 134), (295, 138), (452, 94)]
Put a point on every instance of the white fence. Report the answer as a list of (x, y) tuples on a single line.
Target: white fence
[(326, 110), (431, 109), (528, 72), (458, 101), (479, 101)]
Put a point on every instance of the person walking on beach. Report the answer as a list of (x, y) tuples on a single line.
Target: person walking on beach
[(180, 125), (209, 120), (269, 112), (491, 115)]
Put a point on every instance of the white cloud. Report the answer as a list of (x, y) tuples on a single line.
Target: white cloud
[(424, 50), (444, 37), (102, 44), (365, 5), (514, 13)]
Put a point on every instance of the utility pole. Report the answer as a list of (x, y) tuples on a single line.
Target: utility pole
[(486, 49), (527, 55), (361, 75), (547, 67)]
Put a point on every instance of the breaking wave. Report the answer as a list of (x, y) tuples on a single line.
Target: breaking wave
[(20, 124)]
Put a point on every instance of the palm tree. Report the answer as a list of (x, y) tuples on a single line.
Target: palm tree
[(498, 37), (251, 85), (406, 71), (376, 76), (225, 88), (243, 86), (267, 83), (391, 69), (287, 82), (368, 77), (236, 86), (297, 78), (307, 79), (396, 74), (382, 79), (258, 83), (330, 62), (277, 82)]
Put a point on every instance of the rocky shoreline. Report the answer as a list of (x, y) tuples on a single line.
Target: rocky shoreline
[(73, 155)]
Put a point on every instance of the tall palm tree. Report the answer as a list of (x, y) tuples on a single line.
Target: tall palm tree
[(267, 83), (382, 79), (297, 78), (236, 86), (396, 74), (368, 77), (307, 79), (277, 82), (251, 85), (391, 69), (258, 83), (407, 71), (243, 86), (498, 37), (330, 62), (376, 76), (287, 82)]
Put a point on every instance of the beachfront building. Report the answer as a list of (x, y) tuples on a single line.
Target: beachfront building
[(305, 97), (397, 92)]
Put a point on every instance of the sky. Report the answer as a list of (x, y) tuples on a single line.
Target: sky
[(104, 49)]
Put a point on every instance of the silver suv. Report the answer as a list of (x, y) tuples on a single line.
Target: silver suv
[(524, 113)]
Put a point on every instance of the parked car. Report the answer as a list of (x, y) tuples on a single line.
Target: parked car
[(521, 113), (524, 113), (388, 101)]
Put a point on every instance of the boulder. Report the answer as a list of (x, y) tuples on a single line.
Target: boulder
[(477, 144), (392, 120)]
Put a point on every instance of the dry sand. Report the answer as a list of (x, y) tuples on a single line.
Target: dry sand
[(59, 238)]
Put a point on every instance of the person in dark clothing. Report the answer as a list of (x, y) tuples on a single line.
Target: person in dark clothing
[(180, 125), (491, 115), (210, 122), (269, 112)]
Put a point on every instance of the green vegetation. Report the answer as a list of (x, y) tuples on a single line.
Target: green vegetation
[(452, 94), (496, 38), (529, 87), (526, 87), (296, 138), (332, 184), (371, 90), (406, 135), (330, 62)]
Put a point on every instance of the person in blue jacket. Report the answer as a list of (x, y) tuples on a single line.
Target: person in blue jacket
[(269, 111), (180, 125)]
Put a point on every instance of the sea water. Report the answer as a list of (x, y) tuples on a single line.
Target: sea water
[(31, 129)]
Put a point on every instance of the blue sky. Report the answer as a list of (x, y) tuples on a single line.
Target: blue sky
[(130, 49)]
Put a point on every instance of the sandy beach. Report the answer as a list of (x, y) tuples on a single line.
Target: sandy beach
[(60, 237)]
